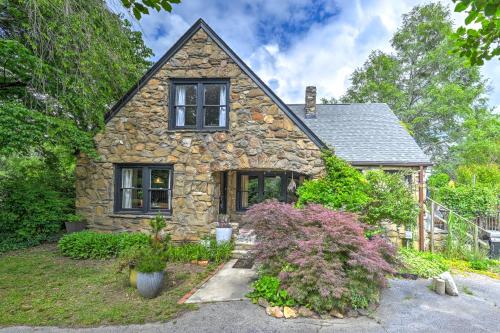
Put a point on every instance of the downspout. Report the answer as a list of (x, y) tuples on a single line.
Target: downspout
[(421, 228)]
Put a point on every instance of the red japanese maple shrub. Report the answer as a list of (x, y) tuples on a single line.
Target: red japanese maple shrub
[(321, 256)]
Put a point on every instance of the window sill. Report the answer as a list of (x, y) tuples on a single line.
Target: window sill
[(166, 215), (193, 130)]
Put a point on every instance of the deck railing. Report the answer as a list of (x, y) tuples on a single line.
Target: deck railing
[(463, 234), (491, 222)]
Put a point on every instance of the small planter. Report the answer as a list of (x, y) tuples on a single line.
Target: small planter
[(202, 263), (74, 226), (149, 284), (223, 235), (133, 278)]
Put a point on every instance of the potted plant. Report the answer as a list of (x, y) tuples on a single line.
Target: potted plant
[(74, 223), (223, 230), (150, 273), (128, 258)]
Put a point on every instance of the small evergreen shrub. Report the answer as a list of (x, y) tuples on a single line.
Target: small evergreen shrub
[(149, 261), (95, 245), (321, 257), (268, 287)]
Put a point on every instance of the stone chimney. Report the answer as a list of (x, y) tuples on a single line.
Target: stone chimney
[(310, 102)]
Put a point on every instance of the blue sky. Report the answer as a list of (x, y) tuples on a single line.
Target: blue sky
[(294, 43)]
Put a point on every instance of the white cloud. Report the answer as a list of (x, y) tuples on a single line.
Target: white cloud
[(324, 54)]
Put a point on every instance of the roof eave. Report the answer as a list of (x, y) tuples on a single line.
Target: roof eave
[(390, 163)]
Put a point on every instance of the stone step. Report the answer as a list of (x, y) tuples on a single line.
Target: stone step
[(239, 254), (246, 236), (244, 245)]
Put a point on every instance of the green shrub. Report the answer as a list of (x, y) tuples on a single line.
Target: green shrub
[(186, 252), (468, 201), (268, 287), (376, 196), (480, 264), (132, 239), (149, 261), (422, 264), (390, 199), (343, 187), (95, 245), (36, 197)]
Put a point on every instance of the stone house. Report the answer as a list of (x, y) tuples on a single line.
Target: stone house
[(200, 135)]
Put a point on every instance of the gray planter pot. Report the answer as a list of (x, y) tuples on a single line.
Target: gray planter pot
[(149, 284), (223, 235), (74, 226)]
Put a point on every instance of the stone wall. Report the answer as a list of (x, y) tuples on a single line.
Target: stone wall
[(396, 235), (260, 136)]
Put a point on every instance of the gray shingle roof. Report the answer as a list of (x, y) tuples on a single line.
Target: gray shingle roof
[(364, 133)]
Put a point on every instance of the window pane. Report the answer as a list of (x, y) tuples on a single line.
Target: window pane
[(212, 114), (249, 190), (272, 187), (213, 94), (190, 116), (132, 194), (132, 198), (159, 178), (159, 199), (131, 177), (185, 94)]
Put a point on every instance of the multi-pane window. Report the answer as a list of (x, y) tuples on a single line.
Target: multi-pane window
[(257, 186), (143, 188), (199, 105)]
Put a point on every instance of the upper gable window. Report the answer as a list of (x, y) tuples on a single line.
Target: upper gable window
[(199, 105)]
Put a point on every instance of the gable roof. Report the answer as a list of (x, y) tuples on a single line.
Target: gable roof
[(364, 134), (200, 24)]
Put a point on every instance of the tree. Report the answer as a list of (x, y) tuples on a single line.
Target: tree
[(139, 7), (66, 59), (63, 64), (429, 89), (482, 43)]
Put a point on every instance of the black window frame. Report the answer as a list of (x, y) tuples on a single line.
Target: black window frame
[(200, 104), (146, 188), (284, 175)]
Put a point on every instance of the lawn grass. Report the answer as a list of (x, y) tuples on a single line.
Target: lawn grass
[(39, 287)]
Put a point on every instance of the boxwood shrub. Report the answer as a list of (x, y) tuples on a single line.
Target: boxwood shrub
[(95, 245)]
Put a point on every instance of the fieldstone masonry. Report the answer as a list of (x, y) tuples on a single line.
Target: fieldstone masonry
[(260, 136)]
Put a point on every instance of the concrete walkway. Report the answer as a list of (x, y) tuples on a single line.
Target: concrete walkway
[(229, 284), (406, 306)]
